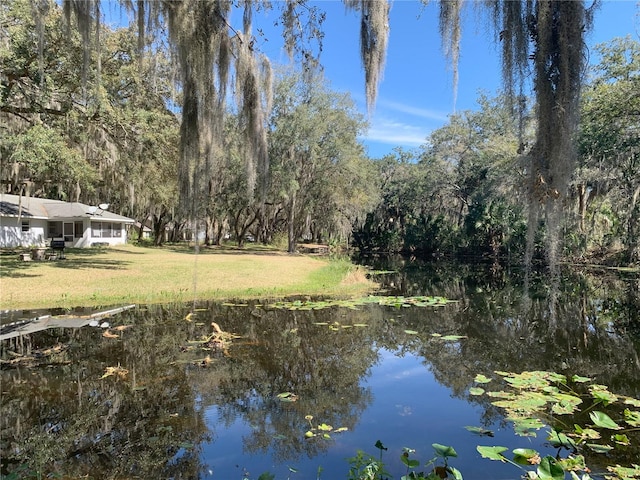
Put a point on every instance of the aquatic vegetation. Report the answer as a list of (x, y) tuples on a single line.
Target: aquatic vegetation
[(389, 301), (537, 399), (366, 467), (321, 430)]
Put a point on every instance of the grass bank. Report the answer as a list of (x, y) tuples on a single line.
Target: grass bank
[(132, 274)]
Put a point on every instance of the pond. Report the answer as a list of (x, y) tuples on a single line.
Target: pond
[(230, 391)]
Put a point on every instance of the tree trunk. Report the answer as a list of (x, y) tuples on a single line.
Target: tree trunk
[(141, 232), (159, 223), (291, 231), (217, 231), (208, 230)]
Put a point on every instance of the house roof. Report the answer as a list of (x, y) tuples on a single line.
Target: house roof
[(44, 208)]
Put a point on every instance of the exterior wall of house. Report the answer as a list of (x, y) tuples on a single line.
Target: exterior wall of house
[(77, 233), (35, 221), (25, 232), (81, 233)]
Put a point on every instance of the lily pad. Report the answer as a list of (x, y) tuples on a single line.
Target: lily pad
[(550, 469), (621, 439), (444, 450), (480, 431), (492, 453), (481, 379), (625, 472), (599, 448), (526, 426), (586, 433), (632, 401), (453, 338), (632, 417), (287, 397), (602, 394), (559, 439), (525, 452), (602, 420)]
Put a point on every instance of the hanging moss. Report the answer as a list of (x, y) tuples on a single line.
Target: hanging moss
[(554, 30), (451, 33), (374, 37)]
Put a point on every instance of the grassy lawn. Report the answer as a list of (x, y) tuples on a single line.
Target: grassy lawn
[(132, 274)]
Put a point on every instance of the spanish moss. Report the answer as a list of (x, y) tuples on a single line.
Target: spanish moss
[(374, 37), (451, 33), (555, 30)]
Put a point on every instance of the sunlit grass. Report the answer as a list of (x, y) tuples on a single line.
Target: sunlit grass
[(131, 274)]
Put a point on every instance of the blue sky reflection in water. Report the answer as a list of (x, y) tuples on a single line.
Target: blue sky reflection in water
[(409, 409)]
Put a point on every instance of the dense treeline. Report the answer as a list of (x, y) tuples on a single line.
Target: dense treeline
[(113, 134), (465, 192)]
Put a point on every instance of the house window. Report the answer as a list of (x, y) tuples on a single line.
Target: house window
[(68, 232), (55, 229), (26, 226), (106, 230), (78, 229), (95, 229)]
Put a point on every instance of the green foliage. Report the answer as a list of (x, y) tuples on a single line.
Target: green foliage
[(43, 156), (533, 398), (608, 176), (459, 195), (366, 467), (105, 135), (318, 174)]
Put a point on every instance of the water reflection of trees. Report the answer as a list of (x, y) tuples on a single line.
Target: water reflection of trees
[(285, 351), (68, 420), (584, 324), (588, 325)]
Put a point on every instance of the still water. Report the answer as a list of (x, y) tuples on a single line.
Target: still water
[(161, 394)]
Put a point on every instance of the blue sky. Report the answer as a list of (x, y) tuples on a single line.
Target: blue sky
[(416, 93)]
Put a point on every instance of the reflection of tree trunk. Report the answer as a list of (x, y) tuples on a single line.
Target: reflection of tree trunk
[(584, 314), (291, 236), (582, 206)]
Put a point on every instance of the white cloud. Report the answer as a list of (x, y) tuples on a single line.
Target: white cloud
[(413, 110), (402, 125), (393, 132)]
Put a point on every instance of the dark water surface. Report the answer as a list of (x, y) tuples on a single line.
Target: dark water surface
[(174, 408)]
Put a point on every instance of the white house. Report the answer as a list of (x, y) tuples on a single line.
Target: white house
[(26, 221)]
